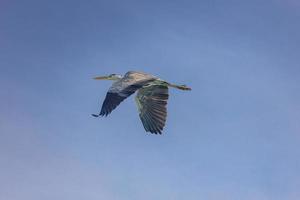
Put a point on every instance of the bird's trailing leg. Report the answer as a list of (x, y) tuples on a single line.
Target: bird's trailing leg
[(181, 87), (94, 115)]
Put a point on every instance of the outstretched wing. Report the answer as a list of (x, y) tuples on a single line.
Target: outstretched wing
[(123, 88), (152, 106)]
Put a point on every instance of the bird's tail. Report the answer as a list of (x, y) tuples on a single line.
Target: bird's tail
[(181, 87)]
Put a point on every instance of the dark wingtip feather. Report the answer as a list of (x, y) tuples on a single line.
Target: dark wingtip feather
[(156, 132), (112, 100)]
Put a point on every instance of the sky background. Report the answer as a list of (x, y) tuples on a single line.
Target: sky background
[(235, 136)]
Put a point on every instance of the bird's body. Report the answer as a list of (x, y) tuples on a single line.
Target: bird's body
[(151, 98)]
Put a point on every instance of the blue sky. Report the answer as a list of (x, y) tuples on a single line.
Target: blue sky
[(236, 135)]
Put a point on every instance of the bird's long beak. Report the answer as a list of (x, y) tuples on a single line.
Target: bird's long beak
[(101, 78)]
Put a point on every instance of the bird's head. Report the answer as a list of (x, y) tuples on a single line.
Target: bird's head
[(113, 77)]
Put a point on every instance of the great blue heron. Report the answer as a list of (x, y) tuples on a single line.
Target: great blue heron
[(151, 98)]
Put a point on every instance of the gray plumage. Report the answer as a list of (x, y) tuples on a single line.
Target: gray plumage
[(152, 106), (151, 98)]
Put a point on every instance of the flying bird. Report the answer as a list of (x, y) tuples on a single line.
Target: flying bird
[(151, 99)]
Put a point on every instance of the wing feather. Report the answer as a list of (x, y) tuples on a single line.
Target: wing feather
[(152, 106)]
